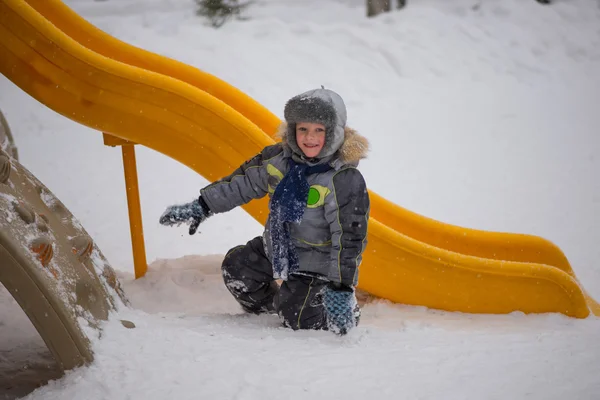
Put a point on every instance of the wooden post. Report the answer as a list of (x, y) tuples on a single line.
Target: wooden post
[(133, 203), (375, 7)]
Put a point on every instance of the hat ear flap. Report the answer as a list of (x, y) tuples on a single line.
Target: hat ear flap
[(291, 138)]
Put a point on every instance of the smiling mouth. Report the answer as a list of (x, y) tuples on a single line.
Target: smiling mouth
[(310, 145)]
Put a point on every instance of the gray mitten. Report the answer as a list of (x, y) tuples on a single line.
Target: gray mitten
[(193, 213)]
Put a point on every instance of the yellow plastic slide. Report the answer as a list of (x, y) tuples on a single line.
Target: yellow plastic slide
[(193, 117)]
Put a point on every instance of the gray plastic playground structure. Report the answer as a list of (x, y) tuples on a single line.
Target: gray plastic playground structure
[(50, 264)]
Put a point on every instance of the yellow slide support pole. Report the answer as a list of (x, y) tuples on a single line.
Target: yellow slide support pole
[(135, 211), (133, 203)]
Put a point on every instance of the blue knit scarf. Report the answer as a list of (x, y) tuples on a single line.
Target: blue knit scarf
[(287, 206)]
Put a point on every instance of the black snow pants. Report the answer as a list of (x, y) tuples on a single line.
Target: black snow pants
[(248, 274)]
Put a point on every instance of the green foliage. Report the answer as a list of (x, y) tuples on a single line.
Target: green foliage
[(219, 11)]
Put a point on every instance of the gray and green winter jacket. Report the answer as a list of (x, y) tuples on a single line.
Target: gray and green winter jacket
[(332, 235)]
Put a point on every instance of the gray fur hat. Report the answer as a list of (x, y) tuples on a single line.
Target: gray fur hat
[(321, 106)]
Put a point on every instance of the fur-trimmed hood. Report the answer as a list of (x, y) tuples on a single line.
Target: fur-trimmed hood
[(354, 148)]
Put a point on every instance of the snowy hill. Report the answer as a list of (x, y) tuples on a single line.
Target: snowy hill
[(481, 116)]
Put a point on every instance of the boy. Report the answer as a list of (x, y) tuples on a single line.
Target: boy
[(316, 232)]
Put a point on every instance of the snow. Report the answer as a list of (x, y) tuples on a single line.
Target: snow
[(484, 117), (48, 199)]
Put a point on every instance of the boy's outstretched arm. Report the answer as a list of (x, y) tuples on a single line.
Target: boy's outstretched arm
[(347, 211), (248, 182)]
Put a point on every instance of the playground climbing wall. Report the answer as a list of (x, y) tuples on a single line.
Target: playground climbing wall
[(49, 263)]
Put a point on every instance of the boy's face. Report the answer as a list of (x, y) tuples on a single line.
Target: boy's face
[(310, 138)]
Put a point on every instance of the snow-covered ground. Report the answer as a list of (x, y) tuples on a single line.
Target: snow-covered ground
[(481, 113)]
